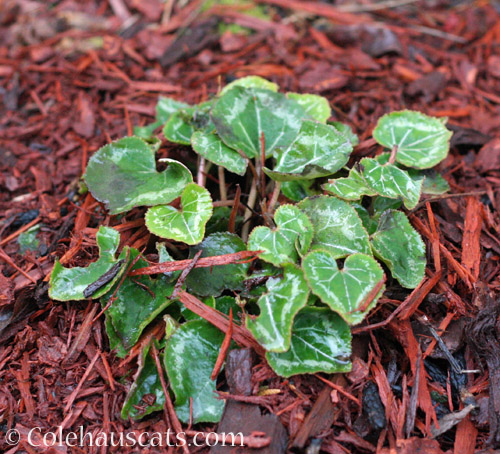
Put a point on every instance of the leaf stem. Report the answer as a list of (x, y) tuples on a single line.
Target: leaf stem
[(252, 197), (222, 183), (274, 197), (392, 158)]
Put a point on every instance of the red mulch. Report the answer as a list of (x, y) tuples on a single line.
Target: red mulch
[(75, 75)]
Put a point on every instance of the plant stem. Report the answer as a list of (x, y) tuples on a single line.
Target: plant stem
[(252, 197), (222, 183), (274, 197), (200, 177), (392, 157)]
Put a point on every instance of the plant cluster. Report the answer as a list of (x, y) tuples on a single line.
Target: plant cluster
[(323, 256)]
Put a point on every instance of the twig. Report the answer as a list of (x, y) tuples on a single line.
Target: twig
[(184, 274), (226, 343), (252, 197), (73, 395), (222, 183), (357, 8), (232, 217)]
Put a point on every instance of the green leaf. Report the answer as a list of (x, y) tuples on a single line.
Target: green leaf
[(219, 222), (186, 225), (146, 383), (315, 106), (68, 284), (189, 359), (213, 281), (353, 187), (317, 151), (381, 204), (293, 234), (433, 182), (321, 342), (242, 115), (337, 227), (212, 148), (368, 221), (344, 290), (123, 175), (184, 122), (298, 190), (284, 298), (250, 82), (390, 181), (28, 240), (422, 141), (400, 247), (345, 130), (137, 303)]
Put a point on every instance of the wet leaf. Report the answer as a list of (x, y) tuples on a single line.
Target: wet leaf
[(400, 247), (68, 284), (213, 281), (137, 303), (317, 151), (345, 130), (298, 190), (337, 227), (250, 81), (242, 115), (293, 234), (211, 147), (388, 180), (184, 122), (186, 225), (189, 359), (123, 175), (146, 393), (433, 182), (344, 290), (422, 141), (284, 298), (353, 187), (315, 106), (28, 240), (321, 342)]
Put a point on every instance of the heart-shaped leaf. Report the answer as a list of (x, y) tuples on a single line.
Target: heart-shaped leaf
[(346, 291), (68, 284), (345, 130), (215, 150), (337, 227), (213, 281), (317, 151), (321, 342), (422, 141), (189, 359), (400, 247), (123, 175), (242, 115), (186, 225), (284, 298), (390, 181), (315, 106), (250, 81), (146, 383), (136, 303), (279, 246), (184, 122), (352, 187)]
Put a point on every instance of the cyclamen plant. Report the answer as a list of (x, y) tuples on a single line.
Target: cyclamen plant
[(323, 260)]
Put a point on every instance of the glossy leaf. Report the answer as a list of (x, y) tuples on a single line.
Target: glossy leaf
[(242, 115), (353, 187), (390, 181), (145, 389), (400, 247), (123, 175), (137, 303), (188, 223), (317, 151), (321, 342), (433, 182), (28, 240), (213, 281), (68, 284), (284, 298), (315, 106), (211, 147), (250, 82), (189, 359), (337, 227), (293, 234), (344, 290), (345, 130), (184, 122), (298, 190), (422, 141)]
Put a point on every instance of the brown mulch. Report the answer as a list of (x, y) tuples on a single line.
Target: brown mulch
[(80, 74)]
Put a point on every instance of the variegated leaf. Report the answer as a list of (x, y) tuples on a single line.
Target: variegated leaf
[(315, 106), (353, 187), (182, 124), (250, 81)]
